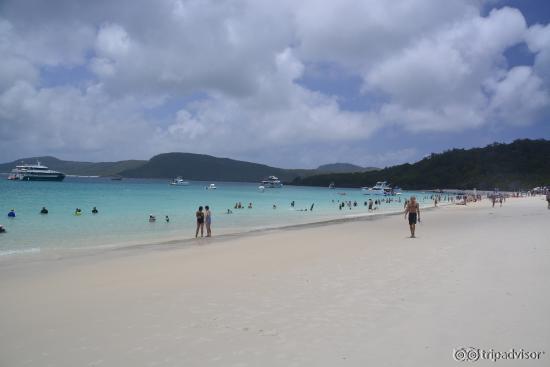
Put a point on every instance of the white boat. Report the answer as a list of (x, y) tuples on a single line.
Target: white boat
[(35, 172), (272, 182), (211, 187), (331, 186), (178, 181), (381, 188)]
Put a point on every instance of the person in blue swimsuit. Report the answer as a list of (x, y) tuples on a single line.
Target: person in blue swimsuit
[(11, 214)]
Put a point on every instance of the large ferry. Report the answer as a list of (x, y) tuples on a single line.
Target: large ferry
[(35, 172), (381, 188), (272, 182)]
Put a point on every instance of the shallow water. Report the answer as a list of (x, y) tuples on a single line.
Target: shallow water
[(124, 207)]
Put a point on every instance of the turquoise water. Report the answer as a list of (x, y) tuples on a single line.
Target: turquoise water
[(124, 207)]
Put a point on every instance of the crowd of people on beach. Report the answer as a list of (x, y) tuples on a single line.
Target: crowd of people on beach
[(410, 205)]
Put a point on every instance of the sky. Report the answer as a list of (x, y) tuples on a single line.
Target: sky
[(286, 83)]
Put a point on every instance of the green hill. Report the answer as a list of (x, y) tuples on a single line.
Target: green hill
[(205, 167), (343, 168), (77, 168), (522, 164)]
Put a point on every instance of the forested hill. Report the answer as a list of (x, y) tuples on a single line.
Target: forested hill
[(205, 167), (522, 164)]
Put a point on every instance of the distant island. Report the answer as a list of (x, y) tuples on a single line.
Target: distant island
[(188, 165), (522, 164)]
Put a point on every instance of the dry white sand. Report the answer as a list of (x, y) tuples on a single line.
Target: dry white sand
[(348, 294)]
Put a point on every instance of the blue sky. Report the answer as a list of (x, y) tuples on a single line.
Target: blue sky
[(292, 84)]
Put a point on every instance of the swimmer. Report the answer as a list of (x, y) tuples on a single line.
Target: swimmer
[(311, 208), (249, 205), (292, 203), (274, 206), (77, 211), (152, 218), (2, 229), (94, 210), (167, 219), (44, 210), (229, 211), (11, 214)]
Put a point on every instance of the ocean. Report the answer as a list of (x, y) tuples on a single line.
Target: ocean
[(124, 208)]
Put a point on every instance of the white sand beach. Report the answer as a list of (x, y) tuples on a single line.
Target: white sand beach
[(348, 294)]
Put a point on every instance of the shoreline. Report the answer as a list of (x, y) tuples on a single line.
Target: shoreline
[(38, 254)]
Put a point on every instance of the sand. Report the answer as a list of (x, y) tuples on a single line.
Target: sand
[(345, 294)]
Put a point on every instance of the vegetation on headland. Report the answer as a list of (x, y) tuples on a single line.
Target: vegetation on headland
[(523, 164)]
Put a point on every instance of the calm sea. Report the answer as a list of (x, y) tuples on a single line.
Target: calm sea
[(124, 207)]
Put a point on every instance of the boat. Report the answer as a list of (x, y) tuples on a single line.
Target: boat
[(178, 181), (381, 188), (272, 182), (332, 186), (261, 188), (211, 187), (397, 190), (116, 178), (35, 172)]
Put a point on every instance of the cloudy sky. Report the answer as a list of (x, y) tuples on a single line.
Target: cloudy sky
[(288, 83)]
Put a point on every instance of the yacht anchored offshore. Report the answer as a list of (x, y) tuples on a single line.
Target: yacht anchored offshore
[(178, 181), (381, 188), (35, 172), (272, 182)]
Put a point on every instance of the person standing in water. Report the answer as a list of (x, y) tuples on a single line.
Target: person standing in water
[(412, 209), (208, 220), (200, 222)]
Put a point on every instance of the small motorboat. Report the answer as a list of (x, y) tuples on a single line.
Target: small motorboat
[(332, 186), (211, 187), (179, 182)]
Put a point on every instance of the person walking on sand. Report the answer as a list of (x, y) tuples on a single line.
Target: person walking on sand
[(208, 220), (200, 222), (413, 211), (548, 199)]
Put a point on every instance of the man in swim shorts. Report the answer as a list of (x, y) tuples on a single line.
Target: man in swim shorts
[(412, 209)]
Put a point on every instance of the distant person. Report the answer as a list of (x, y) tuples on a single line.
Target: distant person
[(229, 211), (77, 211), (2, 229), (500, 200), (167, 219), (249, 205), (152, 218), (199, 214), (548, 199), (11, 214), (208, 220), (44, 210), (292, 204), (413, 212), (494, 200), (370, 204), (311, 208), (274, 206), (94, 210)]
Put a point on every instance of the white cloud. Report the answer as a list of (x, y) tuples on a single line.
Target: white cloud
[(438, 68)]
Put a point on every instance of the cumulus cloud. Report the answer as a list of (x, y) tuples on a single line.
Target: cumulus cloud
[(238, 67)]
